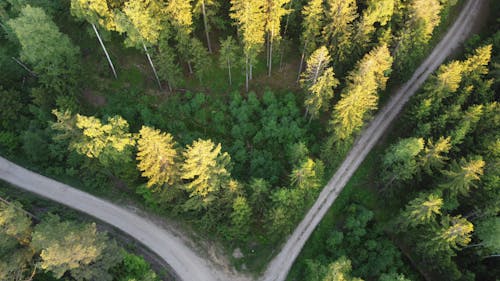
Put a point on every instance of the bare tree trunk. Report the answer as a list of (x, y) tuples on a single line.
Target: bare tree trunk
[(152, 66), (190, 68), (267, 49), (105, 51), (229, 71), (271, 52), (246, 72), (251, 71), (205, 22), (302, 61), (25, 67)]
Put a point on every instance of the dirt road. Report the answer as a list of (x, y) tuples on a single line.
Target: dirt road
[(186, 263), (279, 267)]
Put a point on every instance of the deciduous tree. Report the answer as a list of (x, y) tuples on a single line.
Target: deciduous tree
[(228, 55)]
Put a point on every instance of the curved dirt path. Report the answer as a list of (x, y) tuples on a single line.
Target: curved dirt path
[(186, 264), (279, 267)]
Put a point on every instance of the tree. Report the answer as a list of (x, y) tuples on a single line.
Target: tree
[(488, 232), (455, 232), (241, 219), (308, 176), (143, 25), (275, 10), (200, 58), (96, 12), (70, 247), (432, 157), (14, 222), (53, 57), (157, 157), (204, 6), (318, 80), (168, 68), (250, 18), (134, 268), (463, 175), (339, 27), (400, 161), (393, 277), (340, 270), (180, 16), (422, 210), (311, 29), (205, 169), (360, 94), (228, 55)]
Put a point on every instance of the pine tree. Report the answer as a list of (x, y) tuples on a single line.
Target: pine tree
[(400, 161), (275, 10), (157, 157), (96, 12), (338, 29), (455, 232), (311, 29), (359, 97), (432, 157), (250, 18), (180, 16), (463, 175), (422, 210), (200, 59), (228, 55), (168, 68), (318, 80), (205, 169)]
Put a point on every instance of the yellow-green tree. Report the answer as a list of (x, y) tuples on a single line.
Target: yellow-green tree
[(205, 169), (275, 10), (318, 80), (339, 27), (228, 55), (463, 175), (340, 270), (422, 210), (96, 12), (433, 156), (359, 97), (157, 157), (180, 17), (250, 18), (311, 29), (454, 232)]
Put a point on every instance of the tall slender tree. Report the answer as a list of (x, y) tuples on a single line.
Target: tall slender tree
[(275, 10), (96, 12), (311, 29), (250, 18), (360, 97), (206, 8), (180, 16), (228, 55), (463, 175), (422, 210)]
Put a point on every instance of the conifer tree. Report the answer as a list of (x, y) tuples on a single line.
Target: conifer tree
[(311, 29), (432, 157), (206, 8), (205, 169), (359, 97), (454, 232), (339, 27), (157, 157), (318, 80), (275, 10), (180, 16), (250, 19), (241, 219), (340, 270), (168, 68), (228, 55), (463, 175), (422, 210), (200, 59), (96, 12), (400, 161)]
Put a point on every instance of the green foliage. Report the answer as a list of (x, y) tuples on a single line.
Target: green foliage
[(340, 270), (228, 57), (463, 175), (422, 210), (241, 219), (400, 162), (53, 57), (134, 268), (488, 233)]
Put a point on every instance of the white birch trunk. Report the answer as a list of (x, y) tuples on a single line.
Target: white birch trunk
[(205, 22), (229, 71), (105, 51), (152, 65)]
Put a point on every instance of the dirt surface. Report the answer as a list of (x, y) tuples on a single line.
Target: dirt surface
[(187, 263), (280, 266)]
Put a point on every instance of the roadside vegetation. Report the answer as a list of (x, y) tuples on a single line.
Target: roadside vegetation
[(230, 115)]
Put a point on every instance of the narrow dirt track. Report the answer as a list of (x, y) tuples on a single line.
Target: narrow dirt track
[(186, 263), (280, 266)]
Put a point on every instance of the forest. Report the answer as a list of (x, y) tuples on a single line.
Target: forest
[(230, 116)]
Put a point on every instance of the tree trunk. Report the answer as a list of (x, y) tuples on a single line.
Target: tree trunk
[(246, 72), (25, 67), (271, 53), (190, 68), (152, 65), (302, 61), (267, 49), (251, 71), (229, 71), (307, 111), (205, 22), (105, 51)]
